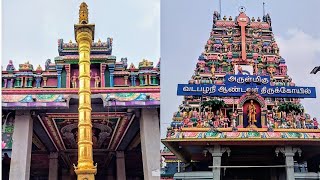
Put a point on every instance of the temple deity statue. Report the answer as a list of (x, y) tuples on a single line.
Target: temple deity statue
[(303, 121), (74, 80), (195, 113), (298, 122), (270, 121), (234, 119), (10, 66), (315, 123), (38, 82), (96, 80), (252, 112), (213, 69)]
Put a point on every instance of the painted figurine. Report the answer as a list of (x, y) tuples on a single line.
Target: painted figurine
[(315, 123), (38, 82), (96, 80), (234, 119), (74, 80), (213, 69), (252, 113)]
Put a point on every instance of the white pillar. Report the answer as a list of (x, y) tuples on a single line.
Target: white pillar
[(289, 152), (216, 161), (216, 153), (289, 164), (53, 166), (150, 143), (21, 147), (121, 165)]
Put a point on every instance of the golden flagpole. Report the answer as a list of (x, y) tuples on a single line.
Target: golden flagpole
[(84, 35)]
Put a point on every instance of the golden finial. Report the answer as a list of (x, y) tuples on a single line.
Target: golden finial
[(83, 14), (70, 41)]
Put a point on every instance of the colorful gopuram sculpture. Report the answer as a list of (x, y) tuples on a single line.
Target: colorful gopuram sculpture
[(105, 71), (242, 46), (241, 109)]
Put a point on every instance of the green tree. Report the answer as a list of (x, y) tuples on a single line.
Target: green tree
[(289, 107), (215, 104)]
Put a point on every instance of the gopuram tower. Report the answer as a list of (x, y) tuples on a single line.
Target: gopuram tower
[(84, 34), (241, 117)]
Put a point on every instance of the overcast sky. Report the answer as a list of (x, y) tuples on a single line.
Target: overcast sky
[(185, 28), (32, 28)]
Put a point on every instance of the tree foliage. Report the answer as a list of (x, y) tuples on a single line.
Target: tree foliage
[(215, 104), (289, 107)]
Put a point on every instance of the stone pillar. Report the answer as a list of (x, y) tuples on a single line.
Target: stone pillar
[(290, 166), (216, 153), (141, 80), (149, 79), (134, 81), (11, 85), (150, 143), (21, 147), (102, 70), (289, 152), (59, 71), (240, 112), (126, 80), (146, 80), (68, 76), (45, 81), (59, 78), (53, 166), (121, 165), (5, 83), (25, 82), (111, 70), (131, 79), (263, 119)]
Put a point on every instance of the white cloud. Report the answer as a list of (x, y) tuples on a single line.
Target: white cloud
[(301, 52)]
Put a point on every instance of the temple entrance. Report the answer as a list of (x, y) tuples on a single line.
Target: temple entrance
[(251, 114)]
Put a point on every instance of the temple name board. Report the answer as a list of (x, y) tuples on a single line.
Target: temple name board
[(236, 86), (247, 79)]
